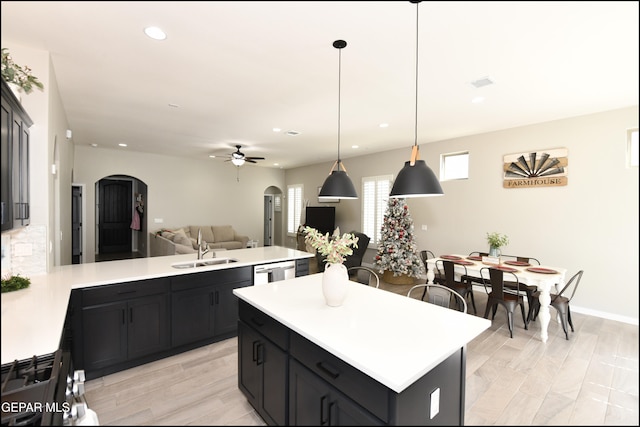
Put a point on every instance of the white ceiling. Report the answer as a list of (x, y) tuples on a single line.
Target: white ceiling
[(238, 69)]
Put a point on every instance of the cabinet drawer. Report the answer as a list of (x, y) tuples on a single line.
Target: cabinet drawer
[(123, 291), (205, 278), (360, 387), (267, 326)]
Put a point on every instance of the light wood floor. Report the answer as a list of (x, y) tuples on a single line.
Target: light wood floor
[(592, 379)]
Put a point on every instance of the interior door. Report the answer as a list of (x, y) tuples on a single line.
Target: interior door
[(268, 219), (115, 216), (76, 224)]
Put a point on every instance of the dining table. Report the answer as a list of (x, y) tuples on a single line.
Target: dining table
[(545, 278)]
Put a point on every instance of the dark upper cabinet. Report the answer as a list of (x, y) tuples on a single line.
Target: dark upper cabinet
[(15, 161)]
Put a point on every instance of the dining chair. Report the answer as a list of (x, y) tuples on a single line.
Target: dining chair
[(441, 295), (561, 302), (462, 286), (437, 275), (371, 277), (528, 290), (497, 294)]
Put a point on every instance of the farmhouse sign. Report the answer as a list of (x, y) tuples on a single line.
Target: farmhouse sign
[(536, 169)]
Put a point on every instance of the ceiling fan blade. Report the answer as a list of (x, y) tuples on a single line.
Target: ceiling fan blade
[(254, 158), (250, 160)]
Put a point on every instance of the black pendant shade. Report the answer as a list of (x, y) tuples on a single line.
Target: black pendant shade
[(338, 185), (416, 179)]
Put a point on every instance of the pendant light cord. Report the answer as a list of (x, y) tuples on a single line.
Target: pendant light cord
[(339, 80), (415, 143)]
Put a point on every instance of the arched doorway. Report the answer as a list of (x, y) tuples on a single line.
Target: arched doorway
[(121, 225)]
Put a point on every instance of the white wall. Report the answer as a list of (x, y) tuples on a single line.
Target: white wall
[(588, 224), (180, 191)]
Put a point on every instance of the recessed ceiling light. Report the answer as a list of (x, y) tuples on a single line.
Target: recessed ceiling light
[(276, 164), (478, 99), (94, 145), (384, 125), (355, 146), (122, 144), (212, 156), (485, 81), (277, 129), (155, 33)]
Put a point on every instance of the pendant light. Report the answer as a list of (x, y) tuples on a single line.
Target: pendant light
[(338, 185), (416, 179)]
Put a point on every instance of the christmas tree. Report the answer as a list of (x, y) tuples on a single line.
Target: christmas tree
[(397, 249)]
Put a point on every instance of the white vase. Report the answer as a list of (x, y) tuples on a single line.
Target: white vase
[(335, 284)]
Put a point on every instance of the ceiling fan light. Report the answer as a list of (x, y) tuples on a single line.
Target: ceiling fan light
[(338, 185), (416, 181), (237, 162)]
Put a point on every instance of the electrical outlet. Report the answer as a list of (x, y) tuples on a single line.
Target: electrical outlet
[(158, 220), (435, 403)]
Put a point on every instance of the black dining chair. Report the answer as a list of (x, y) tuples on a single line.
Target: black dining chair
[(560, 302), (498, 294), (462, 286), (441, 295), (368, 276)]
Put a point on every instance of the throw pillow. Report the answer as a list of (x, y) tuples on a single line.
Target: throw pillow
[(205, 230), (184, 249), (181, 239), (223, 233)]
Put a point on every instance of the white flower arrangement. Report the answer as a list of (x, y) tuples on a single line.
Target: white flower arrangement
[(20, 76), (335, 247)]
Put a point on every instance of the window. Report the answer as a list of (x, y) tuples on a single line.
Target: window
[(375, 194), (454, 166), (294, 207), (632, 148)]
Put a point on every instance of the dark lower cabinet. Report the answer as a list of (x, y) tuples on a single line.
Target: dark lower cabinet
[(203, 305), (124, 322), (313, 402), (315, 387), (262, 374)]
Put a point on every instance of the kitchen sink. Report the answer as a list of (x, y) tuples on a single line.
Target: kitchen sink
[(203, 262)]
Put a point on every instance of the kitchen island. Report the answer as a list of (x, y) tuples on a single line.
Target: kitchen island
[(379, 359), (33, 319)]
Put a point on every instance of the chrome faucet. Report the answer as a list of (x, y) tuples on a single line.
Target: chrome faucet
[(203, 248)]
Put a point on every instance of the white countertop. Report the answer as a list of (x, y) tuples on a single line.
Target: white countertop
[(394, 339), (33, 318)]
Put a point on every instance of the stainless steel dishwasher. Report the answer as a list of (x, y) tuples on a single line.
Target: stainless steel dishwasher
[(273, 272)]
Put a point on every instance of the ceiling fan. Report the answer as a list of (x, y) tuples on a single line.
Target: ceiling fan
[(238, 158)]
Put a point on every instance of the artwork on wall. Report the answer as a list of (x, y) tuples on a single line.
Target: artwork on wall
[(546, 168)]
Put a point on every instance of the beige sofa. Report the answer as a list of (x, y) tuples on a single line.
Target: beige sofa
[(183, 240)]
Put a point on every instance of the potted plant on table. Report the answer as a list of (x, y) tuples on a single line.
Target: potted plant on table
[(496, 241)]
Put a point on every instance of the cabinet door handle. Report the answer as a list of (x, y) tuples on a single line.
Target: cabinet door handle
[(327, 370), (333, 414), (217, 298), (126, 292), (260, 359), (324, 419), (255, 351), (123, 319)]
